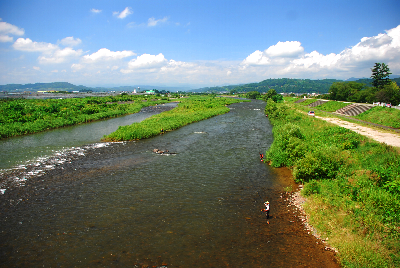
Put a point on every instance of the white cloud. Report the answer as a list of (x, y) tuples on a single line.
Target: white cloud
[(256, 58), (6, 38), (60, 56), (287, 59), (383, 47), (105, 54), (70, 41), (36, 68), (288, 49), (283, 59), (153, 22), (30, 46), (7, 29), (50, 53), (76, 67), (147, 61), (93, 10), (123, 14), (277, 54)]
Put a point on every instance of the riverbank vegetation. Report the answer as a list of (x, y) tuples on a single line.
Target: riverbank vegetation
[(189, 110), (378, 115), (27, 116), (383, 89), (352, 185)]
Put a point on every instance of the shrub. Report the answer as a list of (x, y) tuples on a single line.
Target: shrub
[(321, 164), (311, 188)]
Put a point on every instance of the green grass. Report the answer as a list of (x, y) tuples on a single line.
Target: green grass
[(308, 101), (331, 106), (290, 99), (382, 115), (379, 115), (188, 111), (352, 184), (21, 116)]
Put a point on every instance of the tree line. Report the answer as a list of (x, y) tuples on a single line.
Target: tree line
[(383, 89)]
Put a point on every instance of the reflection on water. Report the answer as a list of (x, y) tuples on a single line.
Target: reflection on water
[(125, 206)]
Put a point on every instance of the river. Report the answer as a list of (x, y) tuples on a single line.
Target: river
[(122, 205)]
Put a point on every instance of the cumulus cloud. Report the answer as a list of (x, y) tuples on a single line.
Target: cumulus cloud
[(153, 22), (289, 59), (256, 58), (28, 45), (105, 54), (60, 56), (146, 61), (383, 47), (123, 14), (70, 41), (282, 59), (7, 29), (288, 49), (50, 53), (276, 54)]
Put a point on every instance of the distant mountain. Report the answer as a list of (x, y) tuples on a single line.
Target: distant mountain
[(281, 85), (65, 86), (355, 79), (59, 86), (288, 85)]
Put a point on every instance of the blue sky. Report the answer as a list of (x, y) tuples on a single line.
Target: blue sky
[(194, 43)]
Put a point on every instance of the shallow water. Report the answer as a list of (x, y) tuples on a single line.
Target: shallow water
[(18, 150), (123, 205)]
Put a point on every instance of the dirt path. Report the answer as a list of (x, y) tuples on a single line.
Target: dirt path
[(388, 138)]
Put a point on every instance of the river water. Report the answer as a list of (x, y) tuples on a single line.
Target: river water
[(122, 205)]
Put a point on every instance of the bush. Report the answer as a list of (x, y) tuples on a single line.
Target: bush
[(322, 164), (311, 188)]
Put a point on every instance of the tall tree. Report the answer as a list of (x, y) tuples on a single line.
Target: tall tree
[(380, 75)]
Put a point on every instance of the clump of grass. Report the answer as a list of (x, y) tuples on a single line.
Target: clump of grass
[(352, 185)]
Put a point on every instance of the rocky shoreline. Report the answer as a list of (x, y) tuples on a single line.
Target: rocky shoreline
[(297, 200)]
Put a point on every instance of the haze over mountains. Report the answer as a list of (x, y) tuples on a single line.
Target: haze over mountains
[(281, 85)]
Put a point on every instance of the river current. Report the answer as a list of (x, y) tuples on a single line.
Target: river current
[(122, 205)]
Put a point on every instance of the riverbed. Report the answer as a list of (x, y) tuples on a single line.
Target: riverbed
[(199, 205)]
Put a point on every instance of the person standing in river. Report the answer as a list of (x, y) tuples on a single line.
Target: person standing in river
[(266, 209)]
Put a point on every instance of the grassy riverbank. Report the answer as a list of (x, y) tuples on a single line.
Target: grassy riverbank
[(379, 115), (189, 110), (352, 185), (22, 116)]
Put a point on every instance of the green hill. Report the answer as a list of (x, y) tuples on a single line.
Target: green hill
[(287, 85), (59, 86)]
